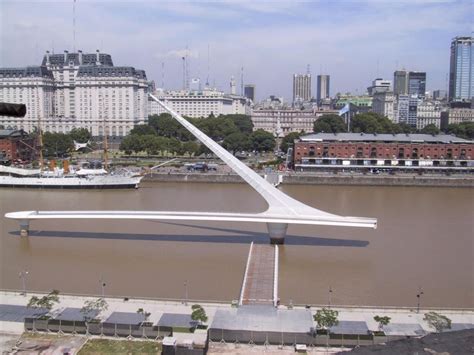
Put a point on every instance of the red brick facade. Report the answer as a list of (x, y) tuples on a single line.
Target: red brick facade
[(13, 147), (379, 150)]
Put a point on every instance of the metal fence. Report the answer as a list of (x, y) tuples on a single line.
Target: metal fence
[(105, 329)]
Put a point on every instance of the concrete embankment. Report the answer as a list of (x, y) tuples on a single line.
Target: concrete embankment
[(310, 179)]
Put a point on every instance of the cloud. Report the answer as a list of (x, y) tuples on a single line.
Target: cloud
[(178, 53), (353, 41)]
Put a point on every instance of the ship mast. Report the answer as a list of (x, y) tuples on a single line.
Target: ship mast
[(40, 134)]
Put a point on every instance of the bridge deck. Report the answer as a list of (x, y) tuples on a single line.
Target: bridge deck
[(259, 285)]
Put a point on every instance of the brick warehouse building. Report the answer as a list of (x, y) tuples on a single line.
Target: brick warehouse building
[(15, 144), (339, 150)]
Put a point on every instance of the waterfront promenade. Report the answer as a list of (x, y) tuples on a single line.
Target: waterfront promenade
[(404, 321)]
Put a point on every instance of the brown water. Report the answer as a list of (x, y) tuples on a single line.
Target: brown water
[(424, 239)]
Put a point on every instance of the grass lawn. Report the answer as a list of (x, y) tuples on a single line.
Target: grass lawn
[(107, 346)]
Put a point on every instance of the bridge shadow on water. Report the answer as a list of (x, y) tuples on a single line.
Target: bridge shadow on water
[(235, 236)]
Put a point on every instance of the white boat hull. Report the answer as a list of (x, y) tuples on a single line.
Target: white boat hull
[(74, 182)]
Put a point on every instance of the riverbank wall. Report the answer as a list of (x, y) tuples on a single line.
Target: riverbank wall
[(311, 179)]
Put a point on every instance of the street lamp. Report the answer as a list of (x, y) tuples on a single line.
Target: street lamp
[(418, 296), (186, 292), (102, 285), (22, 276), (329, 296)]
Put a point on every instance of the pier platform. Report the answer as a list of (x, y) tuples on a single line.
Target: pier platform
[(260, 283)]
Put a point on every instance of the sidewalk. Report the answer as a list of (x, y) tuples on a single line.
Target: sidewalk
[(410, 319)]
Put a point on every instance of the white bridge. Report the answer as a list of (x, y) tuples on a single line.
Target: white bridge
[(282, 209)]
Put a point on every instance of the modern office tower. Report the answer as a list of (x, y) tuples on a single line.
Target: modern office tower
[(461, 69), (400, 82), (301, 87), (417, 83), (379, 85), (249, 92), (409, 83), (77, 90), (405, 109), (323, 88)]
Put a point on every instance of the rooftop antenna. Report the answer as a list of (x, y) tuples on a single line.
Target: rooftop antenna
[(184, 72), (187, 68), (242, 81), (74, 25), (163, 75), (208, 66), (308, 69)]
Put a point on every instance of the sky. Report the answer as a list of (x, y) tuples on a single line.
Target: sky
[(352, 41)]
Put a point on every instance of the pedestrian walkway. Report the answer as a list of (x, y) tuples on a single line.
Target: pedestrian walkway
[(260, 284)]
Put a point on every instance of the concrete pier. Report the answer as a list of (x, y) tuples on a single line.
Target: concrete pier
[(260, 284)]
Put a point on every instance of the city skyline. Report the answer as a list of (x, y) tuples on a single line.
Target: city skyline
[(343, 40)]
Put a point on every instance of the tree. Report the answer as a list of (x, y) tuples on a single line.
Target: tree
[(437, 321), (47, 301), (288, 141), (463, 130), (430, 129), (198, 314), (142, 130), (192, 148), (329, 124), (404, 128), (236, 141), (57, 144), (262, 141), (145, 314), (243, 122), (132, 143), (371, 122), (92, 308), (80, 135), (382, 321), (326, 318)]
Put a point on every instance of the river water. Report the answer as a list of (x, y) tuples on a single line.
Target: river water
[(424, 240)]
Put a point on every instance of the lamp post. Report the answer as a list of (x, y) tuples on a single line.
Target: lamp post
[(329, 297), (186, 292), (418, 296), (102, 285), (22, 275)]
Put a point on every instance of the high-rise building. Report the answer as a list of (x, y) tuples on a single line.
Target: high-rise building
[(379, 85), (400, 82), (405, 109), (409, 83), (417, 83), (301, 87), (461, 69), (76, 90), (323, 88), (249, 92)]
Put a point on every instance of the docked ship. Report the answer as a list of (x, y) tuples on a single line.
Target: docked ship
[(61, 179)]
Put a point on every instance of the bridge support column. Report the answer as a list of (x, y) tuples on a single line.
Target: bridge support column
[(24, 228), (277, 232)]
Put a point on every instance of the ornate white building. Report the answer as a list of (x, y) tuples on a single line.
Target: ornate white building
[(429, 112), (76, 90), (200, 103), (280, 122)]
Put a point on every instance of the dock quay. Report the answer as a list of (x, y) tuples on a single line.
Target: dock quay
[(260, 283)]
